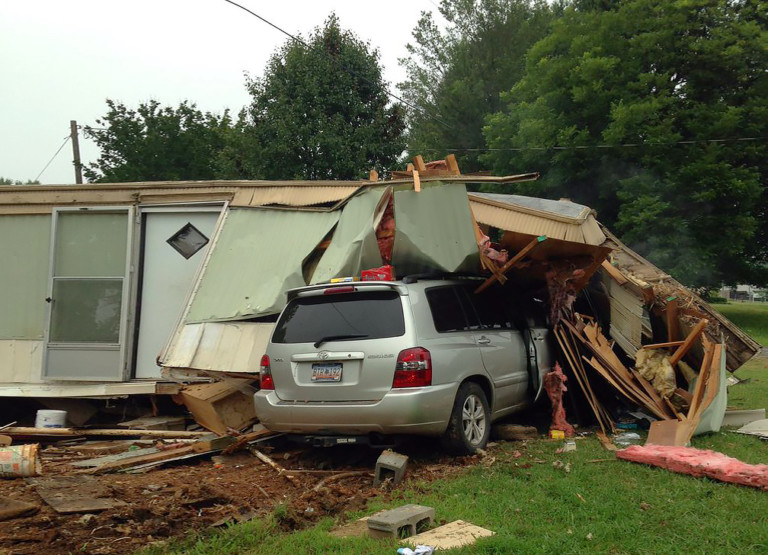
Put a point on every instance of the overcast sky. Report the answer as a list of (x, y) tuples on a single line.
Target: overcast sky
[(60, 60)]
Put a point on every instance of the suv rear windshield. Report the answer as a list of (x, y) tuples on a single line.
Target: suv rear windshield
[(359, 315)]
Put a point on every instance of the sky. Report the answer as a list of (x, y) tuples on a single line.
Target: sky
[(61, 59)]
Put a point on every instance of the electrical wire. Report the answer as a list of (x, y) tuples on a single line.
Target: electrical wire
[(302, 42), (67, 138), (586, 147)]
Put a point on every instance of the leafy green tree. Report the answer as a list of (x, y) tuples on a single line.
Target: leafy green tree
[(6, 181), (156, 143), (654, 112), (455, 75), (320, 111)]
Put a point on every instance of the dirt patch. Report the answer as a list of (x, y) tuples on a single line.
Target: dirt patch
[(173, 501)]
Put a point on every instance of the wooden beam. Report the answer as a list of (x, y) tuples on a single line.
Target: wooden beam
[(662, 345), (614, 272), (373, 176), (452, 164), (512, 261), (683, 349), (418, 164), (416, 181), (78, 432), (673, 322)]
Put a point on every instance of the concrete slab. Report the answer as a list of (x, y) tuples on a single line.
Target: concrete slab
[(450, 536)]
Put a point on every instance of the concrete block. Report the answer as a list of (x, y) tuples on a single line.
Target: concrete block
[(390, 465), (402, 522)]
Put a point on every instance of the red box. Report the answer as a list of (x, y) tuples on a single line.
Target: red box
[(384, 273)]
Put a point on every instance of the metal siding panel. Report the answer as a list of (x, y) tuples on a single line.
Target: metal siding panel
[(257, 257), (25, 244)]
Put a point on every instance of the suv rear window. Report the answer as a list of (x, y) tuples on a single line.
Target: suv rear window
[(372, 315)]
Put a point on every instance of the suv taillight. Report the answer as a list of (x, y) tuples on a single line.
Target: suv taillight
[(265, 373), (413, 368)]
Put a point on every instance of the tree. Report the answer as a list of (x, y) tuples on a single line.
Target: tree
[(455, 76), (5, 181), (156, 143), (320, 111), (655, 113)]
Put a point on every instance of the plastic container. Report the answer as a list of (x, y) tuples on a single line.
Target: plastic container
[(51, 419), (20, 461)]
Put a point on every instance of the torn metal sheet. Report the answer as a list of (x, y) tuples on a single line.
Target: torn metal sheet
[(257, 257), (230, 346), (434, 230), (353, 247)]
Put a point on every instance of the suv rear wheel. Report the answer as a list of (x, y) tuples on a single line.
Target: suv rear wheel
[(470, 423)]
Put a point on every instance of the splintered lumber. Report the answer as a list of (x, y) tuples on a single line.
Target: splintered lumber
[(512, 262), (240, 441), (673, 323), (663, 345), (603, 420), (79, 432), (614, 272), (683, 349), (699, 463), (279, 469)]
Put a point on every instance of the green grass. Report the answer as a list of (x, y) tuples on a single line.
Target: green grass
[(751, 317), (602, 505)]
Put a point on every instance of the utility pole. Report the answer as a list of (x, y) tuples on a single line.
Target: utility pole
[(76, 151)]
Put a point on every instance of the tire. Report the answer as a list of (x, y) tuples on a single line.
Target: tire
[(470, 424)]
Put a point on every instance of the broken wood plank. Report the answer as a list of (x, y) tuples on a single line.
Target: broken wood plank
[(614, 272), (77, 432), (673, 322), (512, 262), (453, 165), (279, 469), (241, 441), (74, 494), (663, 345), (418, 164), (12, 508), (100, 461), (683, 349)]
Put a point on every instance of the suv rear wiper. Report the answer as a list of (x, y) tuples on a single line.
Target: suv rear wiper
[(337, 337)]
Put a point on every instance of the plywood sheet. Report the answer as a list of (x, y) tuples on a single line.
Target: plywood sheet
[(75, 494), (450, 536)]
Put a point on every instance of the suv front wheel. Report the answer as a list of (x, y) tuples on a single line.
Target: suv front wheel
[(470, 423)]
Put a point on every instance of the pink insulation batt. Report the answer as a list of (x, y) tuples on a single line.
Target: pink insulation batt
[(698, 462)]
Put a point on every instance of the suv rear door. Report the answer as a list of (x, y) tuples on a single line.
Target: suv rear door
[(501, 345), (338, 347)]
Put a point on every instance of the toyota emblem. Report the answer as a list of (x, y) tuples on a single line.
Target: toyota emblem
[(322, 355)]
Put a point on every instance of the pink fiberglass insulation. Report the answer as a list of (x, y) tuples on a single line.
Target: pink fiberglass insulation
[(698, 462), (554, 384)]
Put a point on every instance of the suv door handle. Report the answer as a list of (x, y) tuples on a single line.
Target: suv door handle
[(483, 340)]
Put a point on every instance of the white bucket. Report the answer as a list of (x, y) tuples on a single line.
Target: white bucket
[(51, 419)]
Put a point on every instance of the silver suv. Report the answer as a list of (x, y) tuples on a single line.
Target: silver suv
[(417, 356)]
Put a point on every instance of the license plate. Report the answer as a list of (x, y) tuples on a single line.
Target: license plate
[(326, 372)]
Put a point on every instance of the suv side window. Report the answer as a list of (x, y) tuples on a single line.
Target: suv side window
[(493, 309), (449, 313)]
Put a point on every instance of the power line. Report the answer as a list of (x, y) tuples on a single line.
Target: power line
[(67, 138), (300, 41), (587, 147)]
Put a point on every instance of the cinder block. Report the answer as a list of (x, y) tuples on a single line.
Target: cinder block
[(390, 464), (401, 522)]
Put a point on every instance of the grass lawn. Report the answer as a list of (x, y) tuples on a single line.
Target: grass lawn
[(589, 503), (751, 317)]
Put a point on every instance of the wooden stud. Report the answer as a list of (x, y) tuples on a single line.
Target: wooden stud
[(512, 261), (614, 272), (373, 176), (673, 322), (683, 349), (452, 164), (663, 345), (416, 181), (418, 164)]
